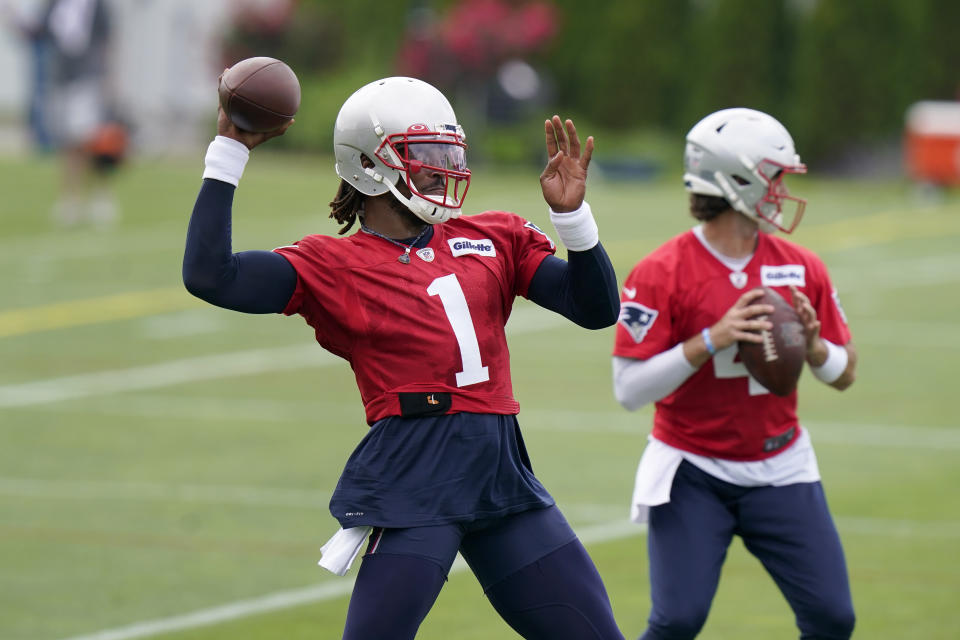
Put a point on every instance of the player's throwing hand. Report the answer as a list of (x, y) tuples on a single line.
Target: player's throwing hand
[(564, 180), (226, 128)]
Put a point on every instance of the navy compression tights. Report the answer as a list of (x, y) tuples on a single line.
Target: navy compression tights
[(558, 597)]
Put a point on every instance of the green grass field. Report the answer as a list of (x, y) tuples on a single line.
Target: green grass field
[(165, 465)]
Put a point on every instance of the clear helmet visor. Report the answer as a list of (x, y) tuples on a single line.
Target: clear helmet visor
[(437, 155), (434, 165)]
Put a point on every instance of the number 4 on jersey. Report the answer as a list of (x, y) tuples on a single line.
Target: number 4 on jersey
[(726, 365), (458, 314)]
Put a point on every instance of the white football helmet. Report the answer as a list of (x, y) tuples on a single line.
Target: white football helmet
[(403, 125), (742, 155)]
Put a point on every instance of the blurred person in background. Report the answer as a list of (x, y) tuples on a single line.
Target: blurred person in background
[(726, 456), (26, 18), (489, 66), (500, 30), (416, 300), (90, 141)]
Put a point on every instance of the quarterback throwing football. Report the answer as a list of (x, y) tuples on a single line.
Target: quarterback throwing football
[(727, 457), (416, 300)]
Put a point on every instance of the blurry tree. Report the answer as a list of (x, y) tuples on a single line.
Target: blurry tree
[(333, 46), (623, 62), (739, 54), (837, 73), (860, 64), (941, 20), (300, 33)]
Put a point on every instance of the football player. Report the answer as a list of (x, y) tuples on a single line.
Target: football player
[(727, 457), (416, 300)]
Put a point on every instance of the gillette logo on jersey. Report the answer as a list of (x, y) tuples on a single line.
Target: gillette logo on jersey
[(783, 275), (467, 246)]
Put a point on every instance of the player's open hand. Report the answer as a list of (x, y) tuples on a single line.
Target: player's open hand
[(225, 127), (564, 180)]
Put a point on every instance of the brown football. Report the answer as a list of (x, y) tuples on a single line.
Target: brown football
[(259, 94), (776, 362)]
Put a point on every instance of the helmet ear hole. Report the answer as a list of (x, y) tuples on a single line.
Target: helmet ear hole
[(366, 162), (740, 180)]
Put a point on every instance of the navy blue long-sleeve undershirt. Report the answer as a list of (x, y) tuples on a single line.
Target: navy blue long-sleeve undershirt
[(583, 289)]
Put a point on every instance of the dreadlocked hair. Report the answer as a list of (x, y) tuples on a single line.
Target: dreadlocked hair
[(345, 206), (705, 208)]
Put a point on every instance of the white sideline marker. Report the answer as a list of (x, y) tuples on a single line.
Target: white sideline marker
[(164, 374), (213, 367), (296, 597), (592, 534)]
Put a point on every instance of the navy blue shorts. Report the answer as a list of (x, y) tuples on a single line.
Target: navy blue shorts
[(493, 548), (436, 470)]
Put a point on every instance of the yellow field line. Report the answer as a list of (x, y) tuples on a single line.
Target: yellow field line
[(883, 227), (75, 313), (878, 228)]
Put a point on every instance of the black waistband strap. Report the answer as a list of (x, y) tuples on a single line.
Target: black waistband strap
[(423, 403)]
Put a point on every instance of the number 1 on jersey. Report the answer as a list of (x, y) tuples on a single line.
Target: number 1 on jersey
[(458, 314)]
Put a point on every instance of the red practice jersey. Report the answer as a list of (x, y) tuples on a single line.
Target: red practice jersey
[(672, 294), (433, 325)]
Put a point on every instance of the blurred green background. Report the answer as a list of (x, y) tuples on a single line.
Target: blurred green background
[(165, 465), (840, 75)]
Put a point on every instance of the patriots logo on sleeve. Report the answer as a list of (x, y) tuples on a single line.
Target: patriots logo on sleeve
[(534, 227), (637, 319)]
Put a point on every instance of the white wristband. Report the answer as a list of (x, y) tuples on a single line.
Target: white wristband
[(225, 160), (834, 366), (577, 230)]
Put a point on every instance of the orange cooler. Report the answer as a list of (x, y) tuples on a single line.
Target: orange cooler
[(932, 145)]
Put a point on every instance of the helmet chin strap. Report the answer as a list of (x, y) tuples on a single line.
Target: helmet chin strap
[(429, 212)]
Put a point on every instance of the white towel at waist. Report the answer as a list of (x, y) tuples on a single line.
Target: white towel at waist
[(341, 550)]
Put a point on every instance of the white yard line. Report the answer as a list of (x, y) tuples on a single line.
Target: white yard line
[(238, 363), (528, 319), (174, 372), (219, 409), (925, 437), (935, 440), (143, 491), (154, 405), (224, 613), (336, 588), (932, 438), (589, 535), (907, 529), (257, 361)]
